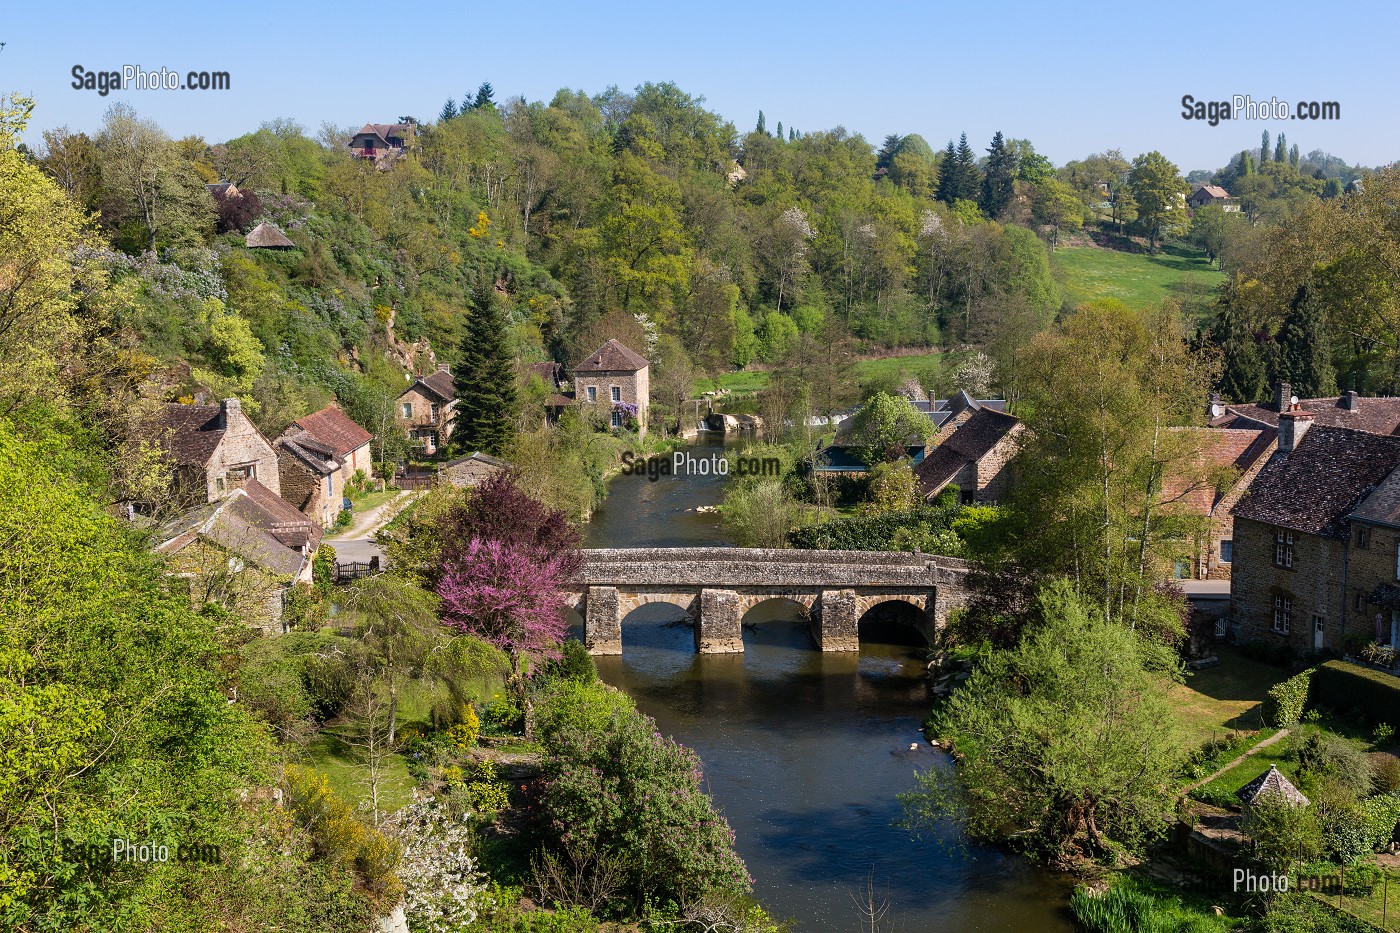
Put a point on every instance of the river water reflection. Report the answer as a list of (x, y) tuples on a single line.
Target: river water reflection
[(805, 752)]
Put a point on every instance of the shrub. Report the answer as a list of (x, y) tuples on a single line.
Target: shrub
[(1380, 815), (323, 568), (329, 680), (1285, 701), (463, 735), (1342, 686), (574, 663), (1385, 772), (571, 709), (1215, 795), (338, 835), (1323, 754), (502, 717)]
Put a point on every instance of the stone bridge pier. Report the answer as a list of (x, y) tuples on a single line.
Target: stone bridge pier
[(715, 587)]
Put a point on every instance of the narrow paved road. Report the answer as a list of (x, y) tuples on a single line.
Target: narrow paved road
[(357, 542)]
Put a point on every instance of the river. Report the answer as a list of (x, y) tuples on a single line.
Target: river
[(805, 752)]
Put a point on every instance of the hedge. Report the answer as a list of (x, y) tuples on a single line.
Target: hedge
[(1344, 687), (1286, 700)]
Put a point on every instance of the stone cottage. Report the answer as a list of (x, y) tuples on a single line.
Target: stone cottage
[(213, 449), (1317, 540), (317, 457), (467, 472), (617, 382), (426, 409), (244, 552), (973, 450)]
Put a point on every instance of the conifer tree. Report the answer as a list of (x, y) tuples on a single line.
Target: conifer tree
[(762, 124), (485, 96), (1281, 149), (1304, 352), (967, 180), (449, 110), (780, 129), (947, 174), (485, 381), (1293, 155), (999, 184), (792, 134), (1264, 148)]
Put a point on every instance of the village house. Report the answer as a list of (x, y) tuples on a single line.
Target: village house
[(1213, 194), (973, 449), (615, 381), (1317, 540), (467, 472), (1222, 465), (243, 552), (380, 141), (318, 456), (426, 408), (213, 449), (945, 416), (1349, 410)]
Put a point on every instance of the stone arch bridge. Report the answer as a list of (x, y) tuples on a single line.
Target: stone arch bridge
[(716, 586)]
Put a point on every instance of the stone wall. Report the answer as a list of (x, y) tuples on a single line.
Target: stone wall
[(242, 445), (1367, 568), (1315, 585), (993, 480), (307, 491), (633, 388)]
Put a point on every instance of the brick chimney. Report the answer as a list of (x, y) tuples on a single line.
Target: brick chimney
[(225, 407), (1292, 425), (1283, 392), (1351, 401)]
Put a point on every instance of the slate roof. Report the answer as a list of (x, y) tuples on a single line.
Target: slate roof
[(549, 371), (188, 433), (480, 458), (439, 383), (332, 427), (317, 458), (970, 442), (1269, 784), (612, 357), (1374, 415), (1239, 449), (252, 522), (266, 236), (839, 459), (1315, 488)]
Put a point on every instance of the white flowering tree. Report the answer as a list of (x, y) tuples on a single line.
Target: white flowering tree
[(443, 889)]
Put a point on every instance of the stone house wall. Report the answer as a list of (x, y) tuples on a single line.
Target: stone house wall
[(1315, 586), (421, 420), (318, 497), (1372, 558), (993, 475), (242, 447), (634, 388), (468, 473)]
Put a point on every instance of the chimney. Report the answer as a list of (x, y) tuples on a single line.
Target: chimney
[(1292, 425), (1217, 405), (1282, 393), (226, 406), (1350, 401)]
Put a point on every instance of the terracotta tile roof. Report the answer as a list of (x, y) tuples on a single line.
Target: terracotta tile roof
[(612, 357), (189, 433), (968, 443), (1237, 449), (1214, 191), (1315, 488), (1374, 415), (333, 428)]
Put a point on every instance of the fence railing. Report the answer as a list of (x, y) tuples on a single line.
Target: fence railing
[(347, 571), (414, 480)]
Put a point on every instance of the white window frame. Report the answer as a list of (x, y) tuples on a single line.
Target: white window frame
[(1283, 613), (1283, 550), (616, 393), (407, 409)]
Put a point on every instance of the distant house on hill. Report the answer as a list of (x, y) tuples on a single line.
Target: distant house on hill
[(318, 456), (244, 552), (380, 140), (426, 409), (616, 380), (1213, 194), (213, 449), (266, 236)]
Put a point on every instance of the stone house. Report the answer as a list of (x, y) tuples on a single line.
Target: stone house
[(425, 410), (467, 472), (244, 552), (318, 456), (213, 450), (617, 382), (1213, 194), (1317, 540), (974, 452), (1223, 464), (381, 140)]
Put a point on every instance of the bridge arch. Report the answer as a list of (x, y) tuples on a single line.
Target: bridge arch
[(898, 619)]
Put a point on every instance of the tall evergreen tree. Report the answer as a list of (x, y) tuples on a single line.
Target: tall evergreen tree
[(780, 129), (888, 148), (449, 110), (762, 124), (1264, 148), (1293, 156), (485, 96), (1244, 377), (485, 381), (947, 175), (999, 184), (792, 134), (967, 180), (1281, 149), (1304, 352)]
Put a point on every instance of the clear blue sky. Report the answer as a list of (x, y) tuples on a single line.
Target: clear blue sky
[(1073, 77)]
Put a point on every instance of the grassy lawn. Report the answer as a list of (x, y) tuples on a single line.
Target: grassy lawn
[(743, 382), (886, 367), (369, 500), (1224, 698), (346, 774), (1086, 273)]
